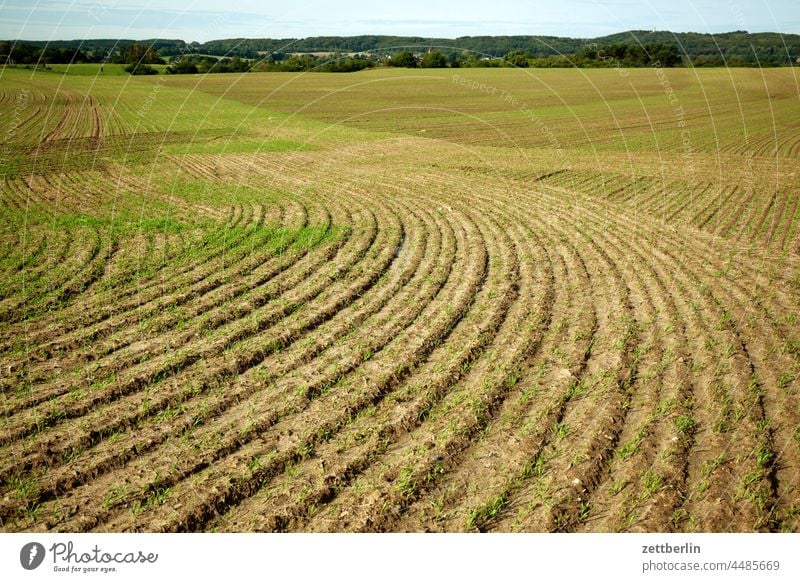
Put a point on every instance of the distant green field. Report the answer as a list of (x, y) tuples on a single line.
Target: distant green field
[(438, 300), (91, 69), (88, 69), (635, 109)]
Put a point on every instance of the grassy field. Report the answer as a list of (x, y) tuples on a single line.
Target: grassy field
[(435, 300), (86, 69)]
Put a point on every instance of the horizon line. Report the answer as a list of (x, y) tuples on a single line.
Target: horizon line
[(416, 36)]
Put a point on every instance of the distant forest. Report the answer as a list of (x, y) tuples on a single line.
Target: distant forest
[(629, 49), (738, 48)]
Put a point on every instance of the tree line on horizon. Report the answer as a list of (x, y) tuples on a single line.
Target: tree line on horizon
[(738, 48), (347, 54)]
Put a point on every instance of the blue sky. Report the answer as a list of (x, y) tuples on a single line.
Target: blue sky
[(203, 20)]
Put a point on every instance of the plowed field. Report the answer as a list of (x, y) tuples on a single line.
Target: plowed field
[(473, 300)]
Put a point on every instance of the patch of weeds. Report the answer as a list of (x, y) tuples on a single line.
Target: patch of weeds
[(679, 516), (138, 507), (405, 483), (664, 407), (628, 449), (631, 519), (578, 458), (785, 379), (438, 507), (561, 520), (651, 482), (685, 424), (584, 510), (306, 451), (631, 447), (726, 321), (254, 465), (535, 468), (73, 453), (755, 489), (698, 367), (291, 470), (26, 491), (560, 430), (791, 347), (617, 486), (487, 511), (764, 456), (706, 471), (789, 515), (158, 496), (574, 391), (168, 413), (116, 494)]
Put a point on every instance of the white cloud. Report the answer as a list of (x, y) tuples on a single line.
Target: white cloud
[(204, 20)]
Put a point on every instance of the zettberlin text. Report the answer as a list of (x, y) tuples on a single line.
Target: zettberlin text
[(671, 549)]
